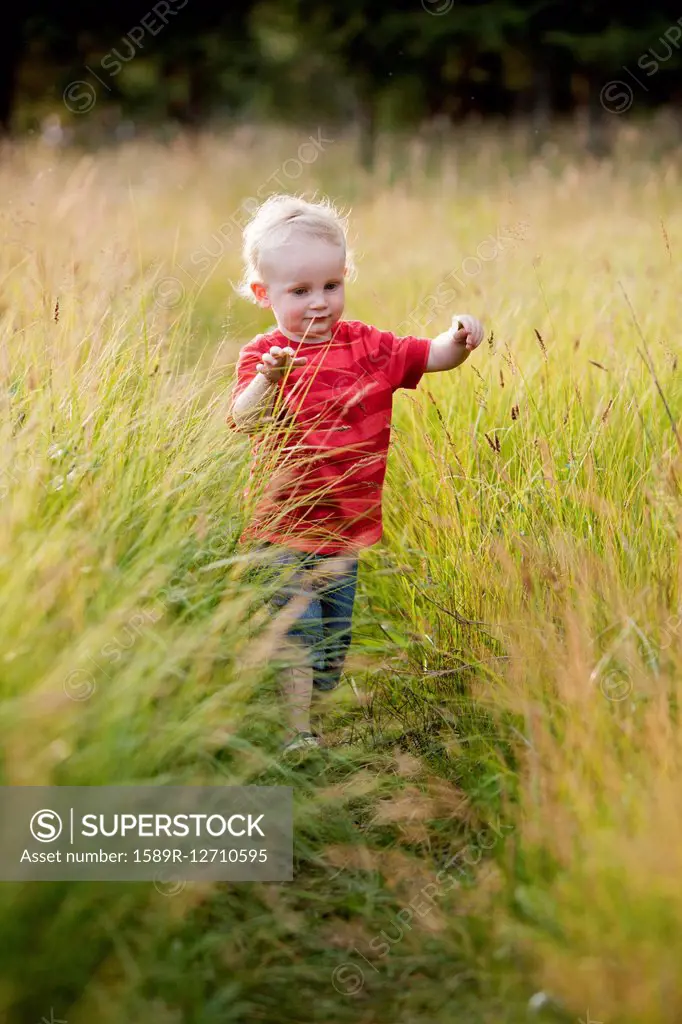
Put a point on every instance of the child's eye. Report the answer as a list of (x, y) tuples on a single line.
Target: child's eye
[(299, 291), (332, 284)]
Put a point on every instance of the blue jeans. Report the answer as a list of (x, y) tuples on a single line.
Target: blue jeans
[(324, 627)]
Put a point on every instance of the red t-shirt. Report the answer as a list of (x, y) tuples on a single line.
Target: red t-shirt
[(318, 468)]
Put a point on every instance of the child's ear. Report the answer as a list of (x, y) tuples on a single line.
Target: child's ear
[(261, 293)]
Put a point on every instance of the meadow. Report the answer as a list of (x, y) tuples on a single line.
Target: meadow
[(492, 832)]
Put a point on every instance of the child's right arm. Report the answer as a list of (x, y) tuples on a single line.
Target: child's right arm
[(257, 399)]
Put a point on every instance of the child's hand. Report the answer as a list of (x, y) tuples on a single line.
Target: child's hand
[(277, 361), (467, 331)]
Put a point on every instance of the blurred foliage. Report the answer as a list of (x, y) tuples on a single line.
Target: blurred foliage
[(293, 60)]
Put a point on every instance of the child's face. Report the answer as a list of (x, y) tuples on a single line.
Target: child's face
[(303, 282)]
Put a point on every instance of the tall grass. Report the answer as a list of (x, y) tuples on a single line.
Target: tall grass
[(517, 631)]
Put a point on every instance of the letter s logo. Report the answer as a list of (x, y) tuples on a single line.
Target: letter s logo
[(46, 826)]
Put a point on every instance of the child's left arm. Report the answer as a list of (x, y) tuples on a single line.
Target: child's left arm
[(451, 348)]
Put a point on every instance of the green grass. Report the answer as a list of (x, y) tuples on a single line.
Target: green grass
[(516, 632)]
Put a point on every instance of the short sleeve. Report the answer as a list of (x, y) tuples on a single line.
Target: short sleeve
[(245, 371), (401, 359)]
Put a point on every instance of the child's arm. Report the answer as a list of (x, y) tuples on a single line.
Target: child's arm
[(257, 399), (452, 347)]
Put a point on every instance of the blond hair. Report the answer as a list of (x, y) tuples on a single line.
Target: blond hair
[(280, 218)]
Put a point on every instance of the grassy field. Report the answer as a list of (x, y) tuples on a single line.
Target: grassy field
[(495, 819)]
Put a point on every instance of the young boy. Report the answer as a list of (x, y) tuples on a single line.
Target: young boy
[(317, 391)]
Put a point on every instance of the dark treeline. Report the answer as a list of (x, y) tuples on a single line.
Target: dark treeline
[(381, 64)]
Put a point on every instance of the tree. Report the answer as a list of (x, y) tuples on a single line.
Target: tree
[(11, 52), (602, 45)]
